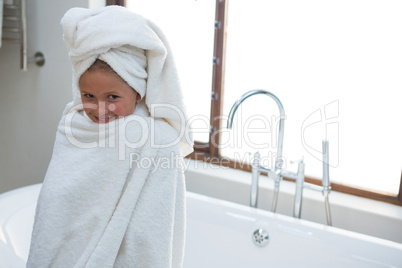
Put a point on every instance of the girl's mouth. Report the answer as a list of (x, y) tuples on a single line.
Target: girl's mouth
[(104, 119)]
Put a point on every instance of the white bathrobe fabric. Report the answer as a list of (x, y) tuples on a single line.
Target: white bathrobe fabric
[(114, 194)]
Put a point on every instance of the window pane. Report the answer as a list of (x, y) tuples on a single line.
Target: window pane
[(336, 67), (189, 27)]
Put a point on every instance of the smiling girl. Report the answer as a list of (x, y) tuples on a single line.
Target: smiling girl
[(96, 208)]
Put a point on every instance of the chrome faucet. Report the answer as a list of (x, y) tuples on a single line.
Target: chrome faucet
[(326, 188), (278, 172), (298, 177), (257, 168)]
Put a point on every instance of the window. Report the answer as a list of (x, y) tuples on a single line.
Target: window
[(334, 65), (191, 36), (336, 68)]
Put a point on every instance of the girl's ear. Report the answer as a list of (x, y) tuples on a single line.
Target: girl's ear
[(138, 97)]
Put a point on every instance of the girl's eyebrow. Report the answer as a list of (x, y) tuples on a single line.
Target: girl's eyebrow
[(113, 93), (106, 93)]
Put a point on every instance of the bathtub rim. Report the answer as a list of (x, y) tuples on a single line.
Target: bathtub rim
[(34, 189), (233, 185)]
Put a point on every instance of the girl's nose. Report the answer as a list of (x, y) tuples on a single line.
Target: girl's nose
[(101, 108)]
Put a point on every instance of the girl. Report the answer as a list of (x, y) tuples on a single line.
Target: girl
[(114, 193)]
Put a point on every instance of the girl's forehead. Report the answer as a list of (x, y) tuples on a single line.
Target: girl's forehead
[(104, 83)]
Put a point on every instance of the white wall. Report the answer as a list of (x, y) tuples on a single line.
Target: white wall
[(31, 102)]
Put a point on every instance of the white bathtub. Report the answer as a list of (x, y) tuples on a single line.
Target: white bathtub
[(220, 234)]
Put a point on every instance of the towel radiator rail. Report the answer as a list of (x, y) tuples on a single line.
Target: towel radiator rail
[(15, 28), (15, 31)]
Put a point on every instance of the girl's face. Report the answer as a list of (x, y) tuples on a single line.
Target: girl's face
[(106, 96)]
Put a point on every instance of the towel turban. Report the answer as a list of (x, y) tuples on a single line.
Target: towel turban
[(137, 50)]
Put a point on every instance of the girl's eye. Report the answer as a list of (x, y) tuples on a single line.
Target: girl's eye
[(113, 97), (89, 96)]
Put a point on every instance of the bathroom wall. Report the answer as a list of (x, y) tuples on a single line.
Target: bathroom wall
[(31, 102)]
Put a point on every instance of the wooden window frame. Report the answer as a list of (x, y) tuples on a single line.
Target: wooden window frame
[(116, 2), (209, 152)]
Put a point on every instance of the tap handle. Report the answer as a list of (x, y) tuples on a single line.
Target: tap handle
[(325, 164)]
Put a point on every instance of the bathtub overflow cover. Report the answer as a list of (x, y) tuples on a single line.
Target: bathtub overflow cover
[(260, 238)]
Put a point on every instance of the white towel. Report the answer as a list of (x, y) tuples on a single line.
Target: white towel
[(114, 194), (95, 210)]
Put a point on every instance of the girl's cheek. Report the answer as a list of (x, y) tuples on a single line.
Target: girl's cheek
[(88, 105), (114, 108), (111, 107), (87, 111), (117, 108)]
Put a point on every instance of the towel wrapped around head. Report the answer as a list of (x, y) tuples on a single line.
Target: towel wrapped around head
[(137, 50), (114, 194)]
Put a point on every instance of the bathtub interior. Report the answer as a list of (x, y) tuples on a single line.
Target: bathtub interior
[(220, 233), (16, 219)]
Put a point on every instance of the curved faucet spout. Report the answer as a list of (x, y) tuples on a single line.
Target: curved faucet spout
[(279, 160)]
